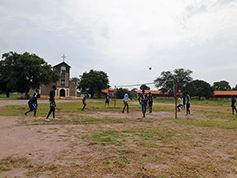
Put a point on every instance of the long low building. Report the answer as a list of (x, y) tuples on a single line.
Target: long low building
[(158, 93), (225, 94)]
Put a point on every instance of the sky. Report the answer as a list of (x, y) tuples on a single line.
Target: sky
[(125, 37)]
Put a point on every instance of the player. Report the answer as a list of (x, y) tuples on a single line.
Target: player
[(125, 102), (52, 104), (150, 102), (107, 99), (84, 101), (143, 101), (187, 99), (33, 104), (233, 105), (181, 103)]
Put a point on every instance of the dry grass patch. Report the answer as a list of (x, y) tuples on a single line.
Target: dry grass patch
[(9, 163), (103, 142)]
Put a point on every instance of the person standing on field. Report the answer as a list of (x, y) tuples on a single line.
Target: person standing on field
[(107, 99), (233, 105), (181, 103), (187, 99), (52, 103), (125, 102), (84, 101), (184, 102), (150, 102), (143, 101)]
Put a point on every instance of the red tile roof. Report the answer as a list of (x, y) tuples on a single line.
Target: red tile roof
[(107, 90), (154, 92), (224, 93)]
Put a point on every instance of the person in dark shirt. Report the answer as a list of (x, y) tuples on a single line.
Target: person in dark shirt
[(187, 100), (52, 103), (107, 99), (184, 102), (233, 105), (143, 101), (84, 101), (150, 102), (33, 104)]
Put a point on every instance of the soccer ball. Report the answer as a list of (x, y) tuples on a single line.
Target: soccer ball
[(149, 68)]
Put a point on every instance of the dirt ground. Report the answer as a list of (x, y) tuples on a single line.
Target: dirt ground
[(66, 150)]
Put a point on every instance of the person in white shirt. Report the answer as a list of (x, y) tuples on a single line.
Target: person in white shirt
[(181, 103)]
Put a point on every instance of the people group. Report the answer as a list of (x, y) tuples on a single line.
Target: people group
[(143, 99)]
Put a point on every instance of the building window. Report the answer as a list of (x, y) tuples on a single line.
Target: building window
[(63, 76)]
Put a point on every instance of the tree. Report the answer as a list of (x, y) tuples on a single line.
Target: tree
[(121, 91), (93, 81), (22, 72), (75, 80), (200, 88), (4, 88), (144, 87), (221, 86), (133, 93), (234, 88), (166, 80)]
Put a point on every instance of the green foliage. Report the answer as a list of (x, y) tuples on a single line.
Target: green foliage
[(107, 138), (75, 80), (234, 88), (200, 88), (144, 87), (154, 135), (209, 123), (22, 72), (166, 80), (221, 86), (93, 81), (121, 91)]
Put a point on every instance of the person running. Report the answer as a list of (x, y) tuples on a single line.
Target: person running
[(233, 105), (187, 99), (150, 102), (143, 101), (107, 99), (125, 102), (181, 103), (84, 101), (33, 104), (52, 103)]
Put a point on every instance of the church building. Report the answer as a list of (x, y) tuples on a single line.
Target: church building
[(65, 88)]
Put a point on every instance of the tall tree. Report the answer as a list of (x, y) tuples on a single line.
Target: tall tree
[(121, 91), (221, 86), (144, 87), (75, 80), (234, 88), (133, 93), (93, 81), (200, 88), (166, 80), (22, 72)]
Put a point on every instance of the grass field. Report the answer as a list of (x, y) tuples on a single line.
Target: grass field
[(103, 142)]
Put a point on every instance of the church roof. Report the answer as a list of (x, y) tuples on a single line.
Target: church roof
[(62, 63)]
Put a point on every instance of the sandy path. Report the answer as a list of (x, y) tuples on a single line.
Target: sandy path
[(24, 102)]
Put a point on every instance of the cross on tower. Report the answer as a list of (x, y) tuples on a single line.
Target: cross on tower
[(63, 56)]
